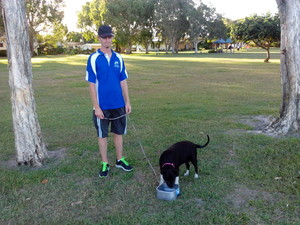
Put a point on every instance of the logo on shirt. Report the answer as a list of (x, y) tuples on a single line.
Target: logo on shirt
[(116, 64)]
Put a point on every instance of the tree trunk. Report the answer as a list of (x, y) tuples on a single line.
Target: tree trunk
[(196, 41), (289, 119), (268, 55), (147, 47), (168, 46), (30, 147), (129, 49), (173, 45)]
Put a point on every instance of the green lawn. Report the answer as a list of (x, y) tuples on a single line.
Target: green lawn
[(245, 178)]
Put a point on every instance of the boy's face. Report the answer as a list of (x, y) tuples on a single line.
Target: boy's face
[(106, 42)]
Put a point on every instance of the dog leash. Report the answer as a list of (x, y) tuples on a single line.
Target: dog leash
[(142, 148), (115, 118), (136, 134)]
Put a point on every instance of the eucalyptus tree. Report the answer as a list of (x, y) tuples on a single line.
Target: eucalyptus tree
[(59, 32), (49, 43), (198, 18), (217, 28), (91, 16), (74, 36), (171, 20), (147, 25), (263, 31), (30, 147), (41, 15), (127, 17), (289, 119), (145, 38)]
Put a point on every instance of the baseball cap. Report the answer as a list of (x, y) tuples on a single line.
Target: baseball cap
[(105, 31)]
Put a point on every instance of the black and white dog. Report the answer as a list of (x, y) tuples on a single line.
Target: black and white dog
[(174, 156)]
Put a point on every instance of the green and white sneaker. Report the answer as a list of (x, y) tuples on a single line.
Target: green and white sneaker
[(104, 171), (122, 163)]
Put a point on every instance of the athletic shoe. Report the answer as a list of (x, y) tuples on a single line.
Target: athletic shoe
[(122, 163), (104, 171)]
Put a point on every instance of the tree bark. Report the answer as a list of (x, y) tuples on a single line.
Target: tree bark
[(196, 42), (268, 55), (30, 147), (289, 119)]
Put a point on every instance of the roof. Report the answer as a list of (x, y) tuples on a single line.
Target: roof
[(221, 41)]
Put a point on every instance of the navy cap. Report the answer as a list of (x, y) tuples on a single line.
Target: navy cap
[(105, 31)]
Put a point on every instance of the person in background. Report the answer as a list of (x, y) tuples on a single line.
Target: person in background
[(107, 75)]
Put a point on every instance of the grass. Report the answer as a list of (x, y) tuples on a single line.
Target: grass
[(245, 178)]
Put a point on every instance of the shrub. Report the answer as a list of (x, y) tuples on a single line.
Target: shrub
[(3, 53)]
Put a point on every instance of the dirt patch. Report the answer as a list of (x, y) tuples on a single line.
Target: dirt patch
[(260, 126), (241, 197), (9, 164), (257, 122), (58, 154), (252, 202), (54, 157)]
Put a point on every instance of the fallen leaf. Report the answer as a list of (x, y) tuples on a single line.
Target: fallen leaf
[(45, 181)]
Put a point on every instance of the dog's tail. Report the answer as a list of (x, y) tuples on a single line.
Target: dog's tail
[(202, 146)]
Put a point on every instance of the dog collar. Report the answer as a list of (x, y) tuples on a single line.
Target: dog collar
[(168, 164)]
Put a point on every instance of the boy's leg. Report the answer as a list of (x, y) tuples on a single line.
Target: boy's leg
[(118, 127), (102, 133), (102, 142), (118, 141), (103, 153), (121, 162)]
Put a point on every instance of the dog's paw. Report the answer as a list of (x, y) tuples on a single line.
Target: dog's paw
[(186, 173), (196, 176)]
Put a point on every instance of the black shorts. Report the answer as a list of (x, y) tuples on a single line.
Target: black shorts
[(118, 126)]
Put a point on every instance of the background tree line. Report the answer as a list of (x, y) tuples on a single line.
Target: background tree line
[(139, 21)]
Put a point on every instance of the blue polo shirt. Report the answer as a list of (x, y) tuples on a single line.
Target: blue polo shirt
[(107, 75)]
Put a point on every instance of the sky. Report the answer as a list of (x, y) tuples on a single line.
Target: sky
[(237, 9), (71, 9), (232, 9)]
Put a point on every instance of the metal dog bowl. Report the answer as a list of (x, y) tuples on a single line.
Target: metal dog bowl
[(163, 192)]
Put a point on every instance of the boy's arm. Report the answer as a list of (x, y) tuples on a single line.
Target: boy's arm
[(98, 111), (126, 96)]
